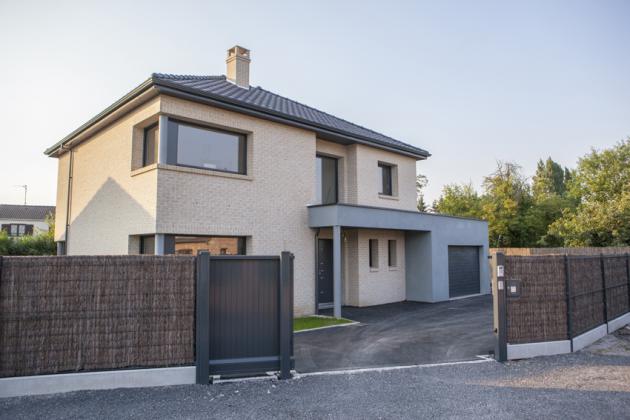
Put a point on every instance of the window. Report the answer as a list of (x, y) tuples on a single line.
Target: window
[(205, 148), (326, 182), (150, 145), (373, 251), (391, 253), (16, 229), (147, 245), (215, 245), (385, 175)]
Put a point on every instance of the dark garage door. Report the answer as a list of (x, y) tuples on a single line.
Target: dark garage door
[(463, 270)]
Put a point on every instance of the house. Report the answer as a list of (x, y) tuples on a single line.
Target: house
[(185, 163), (20, 220)]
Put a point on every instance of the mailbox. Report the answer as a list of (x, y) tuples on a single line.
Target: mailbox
[(513, 288)]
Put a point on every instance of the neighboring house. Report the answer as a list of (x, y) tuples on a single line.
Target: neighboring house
[(185, 163), (18, 220)]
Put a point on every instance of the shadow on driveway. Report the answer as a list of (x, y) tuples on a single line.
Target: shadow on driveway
[(405, 333)]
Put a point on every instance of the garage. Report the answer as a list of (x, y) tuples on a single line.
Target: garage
[(463, 271)]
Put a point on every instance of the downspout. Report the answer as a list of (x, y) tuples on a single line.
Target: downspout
[(69, 197), (316, 273)]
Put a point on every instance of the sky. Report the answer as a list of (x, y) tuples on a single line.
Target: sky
[(471, 82)]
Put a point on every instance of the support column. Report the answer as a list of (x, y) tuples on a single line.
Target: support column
[(159, 244), (337, 270)]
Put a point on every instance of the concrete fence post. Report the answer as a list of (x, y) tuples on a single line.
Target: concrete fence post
[(627, 277)]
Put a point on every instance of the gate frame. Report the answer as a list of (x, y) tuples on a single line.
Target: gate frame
[(202, 312)]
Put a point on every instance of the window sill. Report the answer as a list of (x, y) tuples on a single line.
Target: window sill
[(207, 172), (144, 169), (388, 197), (393, 268), (373, 270)]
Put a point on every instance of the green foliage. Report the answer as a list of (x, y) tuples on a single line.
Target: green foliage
[(41, 244), (549, 180), (459, 200), (601, 188), (588, 206)]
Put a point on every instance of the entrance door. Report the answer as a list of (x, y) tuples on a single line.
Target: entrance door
[(463, 270), (325, 297)]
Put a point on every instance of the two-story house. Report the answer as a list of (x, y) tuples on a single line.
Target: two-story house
[(185, 163)]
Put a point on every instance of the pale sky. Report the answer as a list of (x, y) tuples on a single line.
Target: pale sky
[(471, 82)]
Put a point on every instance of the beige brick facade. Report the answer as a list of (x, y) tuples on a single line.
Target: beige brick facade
[(113, 199)]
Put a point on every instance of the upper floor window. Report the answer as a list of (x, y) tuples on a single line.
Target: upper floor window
[(17, 229), (150, 145), (205, 148), (385, 175), (326, 188)]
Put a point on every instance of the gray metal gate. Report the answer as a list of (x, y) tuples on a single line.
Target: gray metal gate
[(244, 315), (463, 270)]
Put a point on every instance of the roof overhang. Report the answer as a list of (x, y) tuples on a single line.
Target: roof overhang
[(354, 216), (153, 87)]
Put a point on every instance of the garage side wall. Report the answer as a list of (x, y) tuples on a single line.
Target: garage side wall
[(427, 277)]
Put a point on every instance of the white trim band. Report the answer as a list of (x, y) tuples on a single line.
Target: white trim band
[(618, 322), (545, 348)]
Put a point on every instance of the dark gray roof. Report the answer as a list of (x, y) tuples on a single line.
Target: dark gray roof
[(19, 212), (263, 100), (257, 101)]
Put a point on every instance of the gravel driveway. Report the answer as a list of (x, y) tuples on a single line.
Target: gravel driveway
[(580, 385)]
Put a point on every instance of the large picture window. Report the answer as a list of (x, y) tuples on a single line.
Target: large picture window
[(215, 245), (205, 148)]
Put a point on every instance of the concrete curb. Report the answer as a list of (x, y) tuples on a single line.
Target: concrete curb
[(68, 382), (328, 326)]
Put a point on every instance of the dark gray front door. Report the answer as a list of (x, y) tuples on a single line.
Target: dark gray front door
[(324, 272), (463, 270)]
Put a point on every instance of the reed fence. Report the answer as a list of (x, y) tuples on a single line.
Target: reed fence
[(81, 313), (561, 297)]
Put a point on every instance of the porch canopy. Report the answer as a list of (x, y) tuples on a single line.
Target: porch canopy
[(427, 239)]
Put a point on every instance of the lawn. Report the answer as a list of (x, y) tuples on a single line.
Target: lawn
[(308, 322)]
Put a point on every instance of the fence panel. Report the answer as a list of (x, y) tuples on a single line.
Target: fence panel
[(587, 294), (539, 313), (77, 313), (617, 294)]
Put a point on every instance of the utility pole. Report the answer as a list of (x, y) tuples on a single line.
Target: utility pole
[(25, 191)]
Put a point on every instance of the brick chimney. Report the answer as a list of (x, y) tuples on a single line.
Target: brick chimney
[(238, 66)]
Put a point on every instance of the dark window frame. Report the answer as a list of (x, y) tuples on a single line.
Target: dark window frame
[(373, 253), (241, 240), (392, 254), (144, 145), (173, 141), (387, 183), (28, 229), (143, 245), (336, 160)]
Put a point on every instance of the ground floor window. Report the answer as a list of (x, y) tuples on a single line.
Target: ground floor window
[(215, 245), (373, 253), (147, 245), (391, 253)]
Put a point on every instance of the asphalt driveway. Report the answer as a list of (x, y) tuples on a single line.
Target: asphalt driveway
[(406, 333)]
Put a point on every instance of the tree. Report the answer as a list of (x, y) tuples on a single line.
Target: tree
[(459, 200), (600, 186), (549, 180), (421, 183), (505, 203)]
